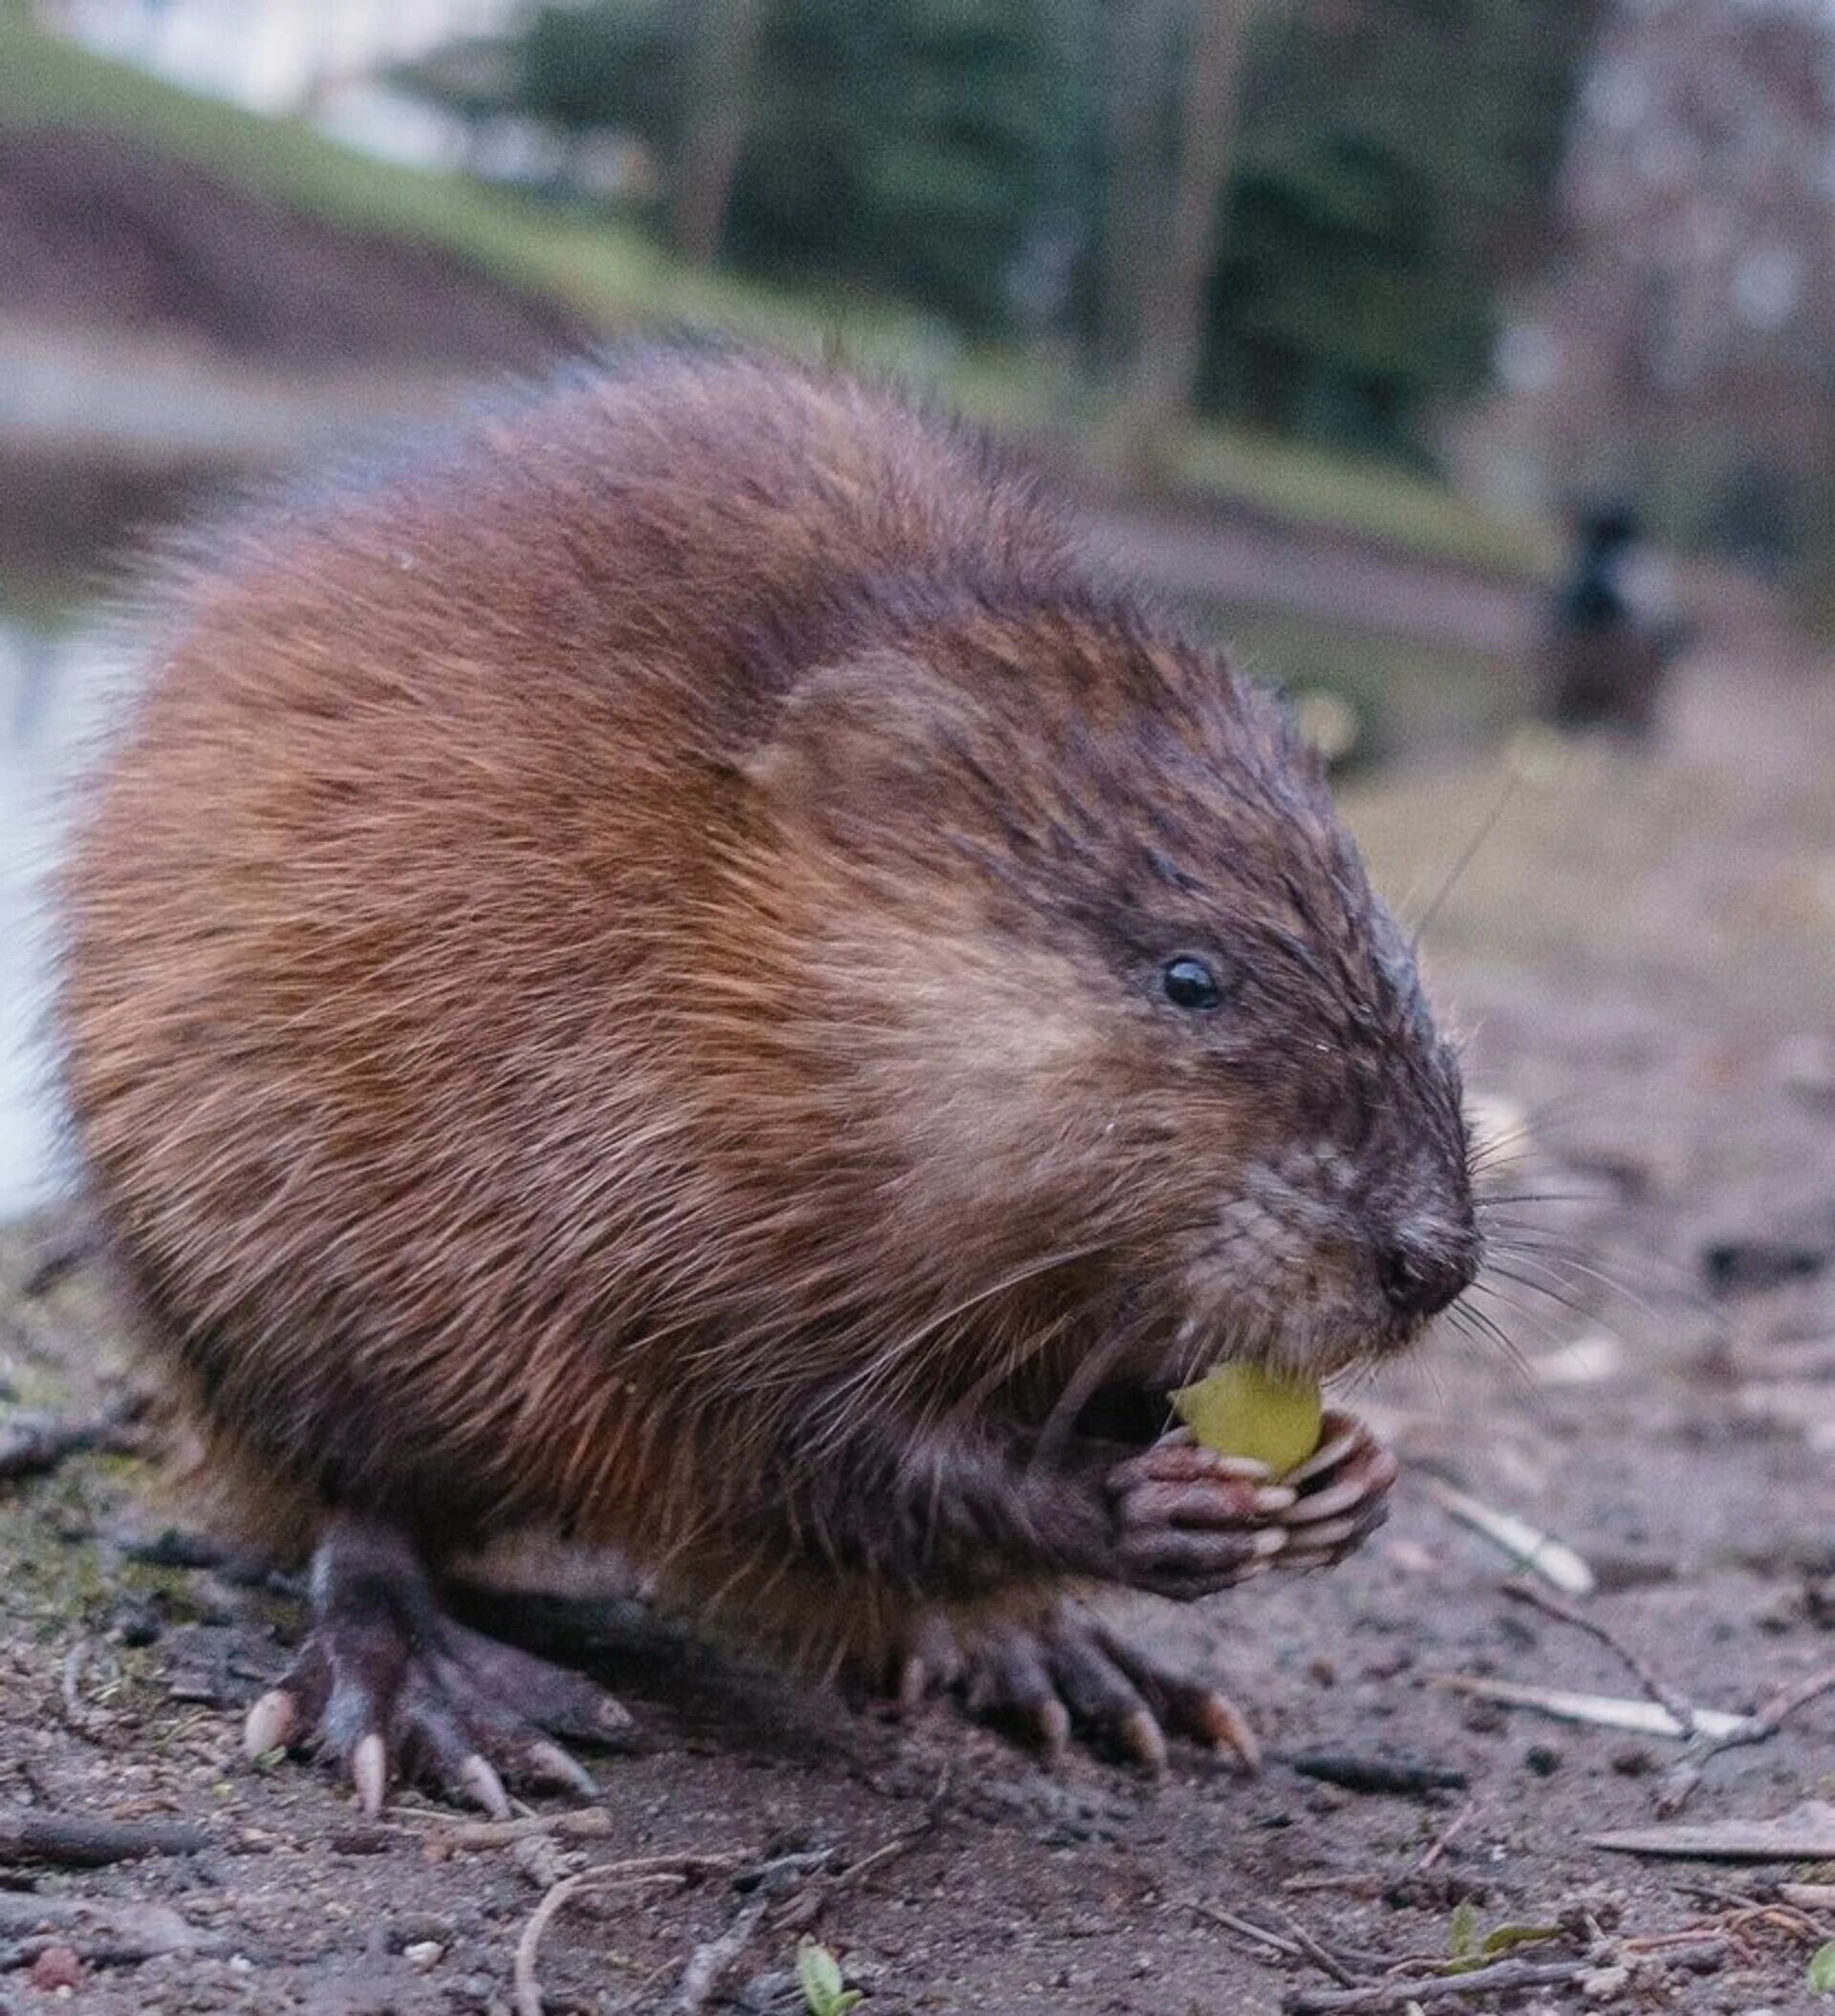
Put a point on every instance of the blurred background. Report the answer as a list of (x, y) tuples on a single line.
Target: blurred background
[(1459, 363)]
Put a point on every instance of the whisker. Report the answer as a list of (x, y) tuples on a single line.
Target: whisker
[(897, 1360), (1510, 1225), (1671, 1275), (1354, 1378), (1018, 1354), (1537, 1321), (1555, 1293), (1486, 1201), (1512, 784), (1481, 1320), (1079, 1389), (1485, 1328), (1496, 1147), (1550, 1265), (1544, 1125)]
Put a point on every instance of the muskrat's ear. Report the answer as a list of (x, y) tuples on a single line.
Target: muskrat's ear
[(871, 721)]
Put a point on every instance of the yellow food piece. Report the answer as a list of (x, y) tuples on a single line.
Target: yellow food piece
[(1241, 1410)]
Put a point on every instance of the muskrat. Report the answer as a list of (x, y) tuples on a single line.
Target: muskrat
[(665, 969)]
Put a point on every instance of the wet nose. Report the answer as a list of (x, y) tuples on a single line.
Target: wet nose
[(1418, 1281)]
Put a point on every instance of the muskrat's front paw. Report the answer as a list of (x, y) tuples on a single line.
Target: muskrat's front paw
[(1342, 1495), (388, 1685), (1190, 1522), (1070, 1674)]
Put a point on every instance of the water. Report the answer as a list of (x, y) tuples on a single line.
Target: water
[(51, 690)]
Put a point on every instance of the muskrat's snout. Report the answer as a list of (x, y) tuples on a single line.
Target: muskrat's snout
[(1424, 1275), (1414, 1203), (1316, 1258), (1422, 1271), (1389, 1279), (1344, 1241)]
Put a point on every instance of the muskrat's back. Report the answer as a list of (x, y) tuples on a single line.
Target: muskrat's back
[(369, 918)]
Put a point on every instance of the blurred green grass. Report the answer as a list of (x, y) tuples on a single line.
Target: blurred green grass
[(609, 272), (615, 277), (1316, 487)]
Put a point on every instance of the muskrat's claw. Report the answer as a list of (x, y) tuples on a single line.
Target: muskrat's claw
[(1073, 1673), (386, 1681), (1190, 1522), (1342, 1495)]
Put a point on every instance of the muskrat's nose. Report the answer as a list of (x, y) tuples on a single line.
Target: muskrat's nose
[(1420, 1281)]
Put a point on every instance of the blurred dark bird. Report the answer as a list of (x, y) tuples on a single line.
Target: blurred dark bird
[(1604, 659)]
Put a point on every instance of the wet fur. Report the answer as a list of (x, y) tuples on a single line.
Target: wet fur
[(609, 989)]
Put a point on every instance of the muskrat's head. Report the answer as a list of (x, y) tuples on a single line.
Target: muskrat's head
[(1111, 1049)]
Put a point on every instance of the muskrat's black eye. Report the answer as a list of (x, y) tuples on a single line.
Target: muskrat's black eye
[(1190, 984)]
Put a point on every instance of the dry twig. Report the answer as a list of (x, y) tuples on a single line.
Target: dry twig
[(1678, 1785), (1804, 1834), (614, 1876), (527, 1987), (1680, 1710), (74, 1842), (707, 1964), (1552, 1559), (1505, 1976), (886, 1852), (800, 1880), (1246, 1928), (585, 1823), (1446, 1836), (1600, 1711), (1321, 1955), (1294, 1941)]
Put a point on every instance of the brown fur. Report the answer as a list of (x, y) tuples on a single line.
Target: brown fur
[(611, 987)]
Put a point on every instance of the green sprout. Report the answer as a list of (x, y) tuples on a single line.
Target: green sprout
[(818, 1974)]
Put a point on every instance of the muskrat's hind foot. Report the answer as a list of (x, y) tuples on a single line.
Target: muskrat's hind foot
[(1073, 1674), (386, 1682)]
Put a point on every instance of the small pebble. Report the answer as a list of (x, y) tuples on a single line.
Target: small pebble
[(1543, 1758), (423, 1954), (55, 1967)]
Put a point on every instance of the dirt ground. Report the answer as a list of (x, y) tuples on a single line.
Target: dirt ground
[(1644, 952)]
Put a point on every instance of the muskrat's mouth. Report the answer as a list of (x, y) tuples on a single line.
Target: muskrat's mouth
[(1126, 1411)]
